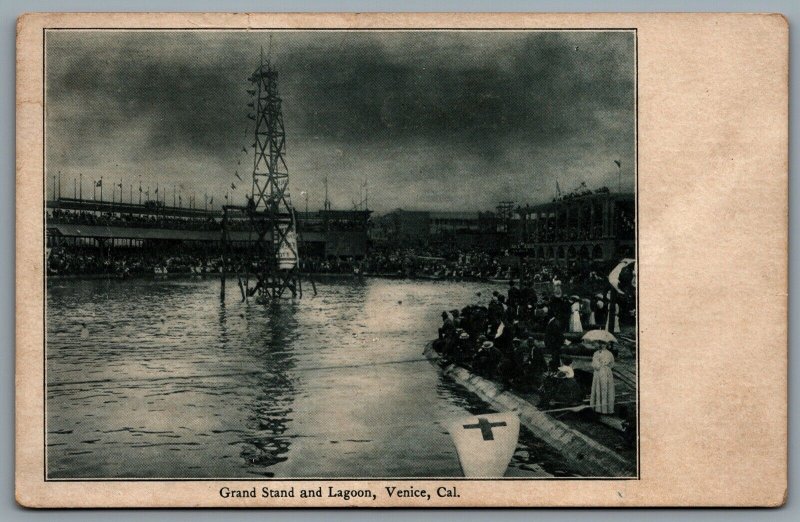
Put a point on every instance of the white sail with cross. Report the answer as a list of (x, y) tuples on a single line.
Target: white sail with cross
[(485, 443)]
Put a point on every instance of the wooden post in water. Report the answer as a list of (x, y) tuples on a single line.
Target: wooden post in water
[(224, 252), (241, 285)]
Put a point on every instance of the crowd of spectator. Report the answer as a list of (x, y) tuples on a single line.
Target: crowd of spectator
[(582, 191), (156, 220), (521, 340), (109, 219), (130, 262), (430, 263)]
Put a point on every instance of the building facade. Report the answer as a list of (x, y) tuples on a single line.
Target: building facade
[(415, 228), (599, 226)]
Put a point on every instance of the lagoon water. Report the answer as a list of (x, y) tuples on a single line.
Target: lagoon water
[(165, 381)]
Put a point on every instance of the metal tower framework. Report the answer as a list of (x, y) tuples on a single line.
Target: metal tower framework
[(269, 212)]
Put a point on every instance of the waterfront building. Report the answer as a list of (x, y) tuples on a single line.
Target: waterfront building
[(440, 228), (597, 226)]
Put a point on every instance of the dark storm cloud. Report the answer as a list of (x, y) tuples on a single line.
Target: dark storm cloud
[(452, 120)]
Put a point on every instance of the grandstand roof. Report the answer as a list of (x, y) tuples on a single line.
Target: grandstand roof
[(148, 208)]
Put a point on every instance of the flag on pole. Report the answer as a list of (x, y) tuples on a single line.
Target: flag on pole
[(485, 443), (233, 186), (98, 183), (619, 163)]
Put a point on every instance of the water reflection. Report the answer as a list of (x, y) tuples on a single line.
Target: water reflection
[(268, 422), (172, 383)]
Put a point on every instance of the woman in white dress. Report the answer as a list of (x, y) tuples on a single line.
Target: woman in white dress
[(602, 397), (557, 291), (575, 316)]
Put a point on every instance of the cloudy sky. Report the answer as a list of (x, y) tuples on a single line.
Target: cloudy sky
[(432, 120)]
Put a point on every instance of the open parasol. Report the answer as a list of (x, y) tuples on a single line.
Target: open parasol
[(603, 336)]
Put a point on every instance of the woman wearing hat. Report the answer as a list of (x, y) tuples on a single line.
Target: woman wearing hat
[(575, 314), (484, 359), (602, 397), (598, 315)]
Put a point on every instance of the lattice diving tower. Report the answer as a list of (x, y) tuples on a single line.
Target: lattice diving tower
[(272, 254)]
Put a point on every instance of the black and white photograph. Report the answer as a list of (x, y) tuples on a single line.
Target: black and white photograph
[(340, 254)]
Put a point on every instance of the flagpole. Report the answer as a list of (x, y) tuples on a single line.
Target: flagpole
[(80, 192), (101, 189)]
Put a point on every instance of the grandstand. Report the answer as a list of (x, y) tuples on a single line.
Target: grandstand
[(105, 225)]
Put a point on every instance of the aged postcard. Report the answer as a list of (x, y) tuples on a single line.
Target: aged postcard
[(401, 260)]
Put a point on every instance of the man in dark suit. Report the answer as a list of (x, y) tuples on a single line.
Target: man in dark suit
[(514, 299), (560, 308), (553, 339)]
